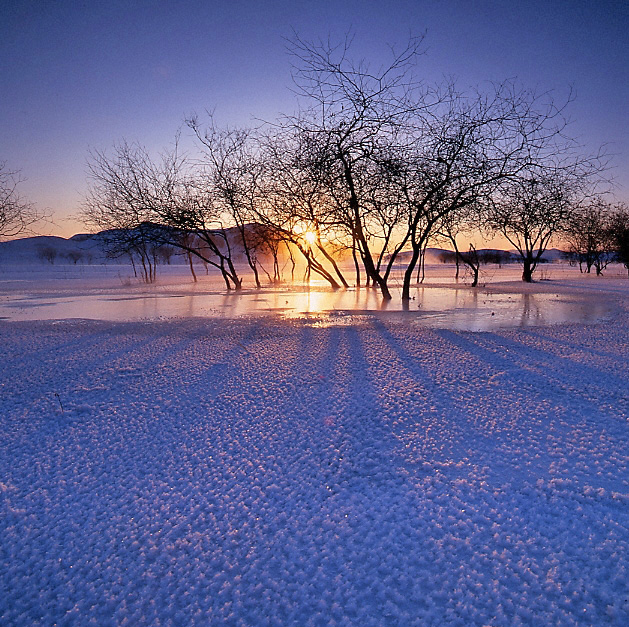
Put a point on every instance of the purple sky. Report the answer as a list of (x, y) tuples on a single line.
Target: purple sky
[(81, 75)]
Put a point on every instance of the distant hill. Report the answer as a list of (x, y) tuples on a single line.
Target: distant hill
[(554, 254), (82, 248), (86, 248)]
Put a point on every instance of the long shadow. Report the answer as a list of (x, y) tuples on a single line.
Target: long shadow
[(60, 350), (94, 348), (81, 362), (474, 419), (198, 382), (93, 368), (441, 412), (365, 440), (351, 501), (118, 400), (27, 330), (573, 345), (565, 375), (557, 415)]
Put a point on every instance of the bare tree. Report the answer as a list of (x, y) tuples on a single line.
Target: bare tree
[(124, 192), (142, 205), (232, 171), (530, 209), (47, 253), (194, 210), (268, 242), (301, 202), (588, 235), (17, 215), (619, 231), (373, 163), (450, 228), (353, 118), (470, 147), (396, 160)]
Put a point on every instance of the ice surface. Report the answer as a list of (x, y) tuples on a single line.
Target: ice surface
[(99, 293), (286, 471)]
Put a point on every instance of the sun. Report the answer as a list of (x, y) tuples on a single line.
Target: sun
[(310, 237)]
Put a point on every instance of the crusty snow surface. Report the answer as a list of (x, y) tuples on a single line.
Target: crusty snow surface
[(293, 472)]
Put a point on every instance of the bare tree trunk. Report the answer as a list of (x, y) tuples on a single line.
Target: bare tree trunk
[(408, 274), (292, 260), (313, 264), (250, 260), (194, 276), (144, 271), (233, 275), (225, 275), (474, 264), (254, 267), (471, 261), (421, 269), (359, 236), (268, 276), (332, 263), (356, 264)]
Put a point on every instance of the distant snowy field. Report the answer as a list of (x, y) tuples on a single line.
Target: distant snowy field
[(313, 468)]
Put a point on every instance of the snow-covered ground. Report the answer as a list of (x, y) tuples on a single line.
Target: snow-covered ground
[(315, 469)]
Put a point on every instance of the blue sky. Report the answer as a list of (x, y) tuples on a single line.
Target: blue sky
[(81, 75)]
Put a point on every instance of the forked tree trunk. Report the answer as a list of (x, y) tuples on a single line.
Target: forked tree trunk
[(408, 274)]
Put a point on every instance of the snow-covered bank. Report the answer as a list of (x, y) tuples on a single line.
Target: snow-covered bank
[(266, 472)]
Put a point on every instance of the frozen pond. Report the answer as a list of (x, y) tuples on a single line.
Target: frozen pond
[(455, 306)]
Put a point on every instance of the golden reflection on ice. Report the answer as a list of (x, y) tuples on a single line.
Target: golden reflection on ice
[(455, 307), (321, 301)]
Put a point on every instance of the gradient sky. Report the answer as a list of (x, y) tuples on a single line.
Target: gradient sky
[(81, 75)]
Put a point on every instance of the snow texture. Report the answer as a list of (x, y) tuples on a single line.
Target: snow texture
[(290, 472)]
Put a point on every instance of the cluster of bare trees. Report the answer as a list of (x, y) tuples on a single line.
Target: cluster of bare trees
[(597, 234), (374, 165), (16, 214)]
